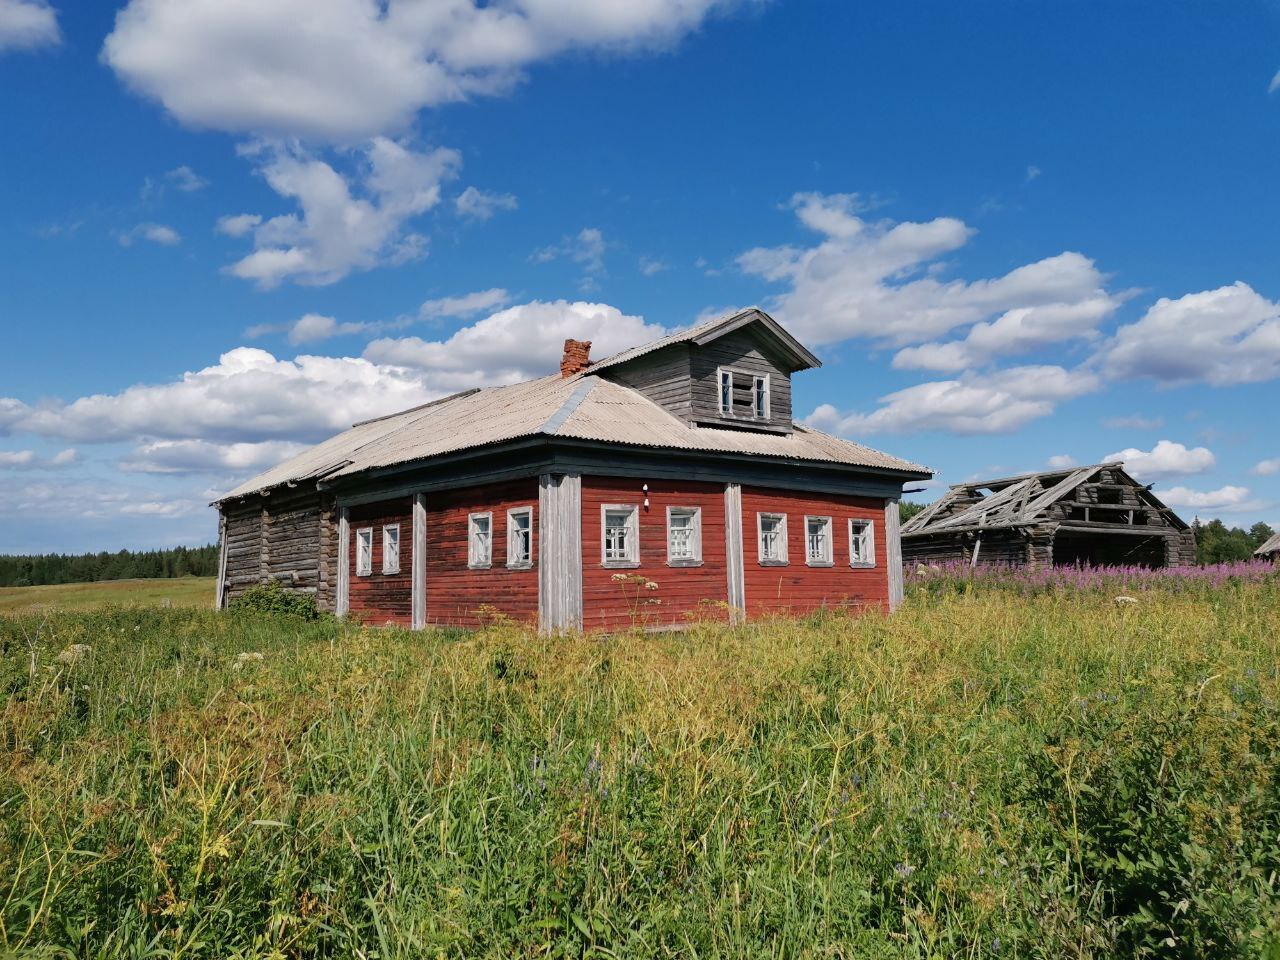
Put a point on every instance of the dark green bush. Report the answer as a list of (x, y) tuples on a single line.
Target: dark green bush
[(271, 599)]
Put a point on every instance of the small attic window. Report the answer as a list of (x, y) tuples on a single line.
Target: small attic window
[(743, 395)]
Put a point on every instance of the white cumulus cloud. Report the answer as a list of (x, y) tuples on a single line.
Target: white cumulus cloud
[(1226, 336), (1226, 498), (203, 456), (27, 24), (466, 305), (882, 281), (1266, 468), (473, 204), (248, 396), (1001, 402), (1165, 459), (343, 226), (165, 236), (517, 343), (345, 70)]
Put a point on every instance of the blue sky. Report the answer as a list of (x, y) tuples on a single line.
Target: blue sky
[(1018, 234)]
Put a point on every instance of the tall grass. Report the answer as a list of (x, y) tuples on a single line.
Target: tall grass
[(981, 775)]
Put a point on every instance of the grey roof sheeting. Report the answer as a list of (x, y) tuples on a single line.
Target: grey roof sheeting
[(581, 407), (1270, 547)]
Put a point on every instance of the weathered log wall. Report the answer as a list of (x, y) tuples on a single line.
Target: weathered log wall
[(284, 537)]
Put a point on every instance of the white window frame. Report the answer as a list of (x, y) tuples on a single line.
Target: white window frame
[(390, 555), (828, 557), (766, 561), (866, 530), (756, 380), (695, 536), (514, 562), (632, 558), (364, 551), (473, 561), (757, 393)]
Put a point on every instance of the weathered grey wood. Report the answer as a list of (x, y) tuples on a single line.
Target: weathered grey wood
[(220, 597), (743, 351), (663, 377), (737, 595), (893, 553), (419, 562), (1101, 513), (342, 600), (559, 552)]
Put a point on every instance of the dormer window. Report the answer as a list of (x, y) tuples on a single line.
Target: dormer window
[(744, 395)]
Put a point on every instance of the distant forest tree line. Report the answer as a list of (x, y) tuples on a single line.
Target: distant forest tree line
[(30, 571), (1215, 541)]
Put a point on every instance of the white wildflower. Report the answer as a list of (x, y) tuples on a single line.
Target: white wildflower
[(1124, 600), (243, 658), (74, 653), (618, 577), (651, 585)]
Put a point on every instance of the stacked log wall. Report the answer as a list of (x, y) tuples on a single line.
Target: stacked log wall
[(276, 538)]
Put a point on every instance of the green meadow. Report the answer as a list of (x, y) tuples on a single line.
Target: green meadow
[(982, 775), (177, 591)]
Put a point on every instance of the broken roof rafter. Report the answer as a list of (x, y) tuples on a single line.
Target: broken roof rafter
[(1025, 500)]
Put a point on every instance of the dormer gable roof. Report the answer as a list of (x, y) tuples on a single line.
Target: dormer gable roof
[(795, 354)]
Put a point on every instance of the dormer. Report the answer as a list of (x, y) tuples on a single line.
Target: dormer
[(733, 372)]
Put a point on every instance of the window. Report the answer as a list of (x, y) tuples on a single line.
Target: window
[(772, 528), (862, 544), (743, 395), (620, 535), (761, 398), (520, 537), (391, 548), (817, 540), (479, 540), (684, 536), (364, 551)]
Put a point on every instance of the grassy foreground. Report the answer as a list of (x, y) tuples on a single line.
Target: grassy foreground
[(982, 775), (179, 591)]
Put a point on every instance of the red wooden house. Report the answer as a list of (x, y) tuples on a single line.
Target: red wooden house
[(677, 462)]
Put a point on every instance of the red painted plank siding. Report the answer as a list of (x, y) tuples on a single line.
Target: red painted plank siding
[(382, 597), (798, 588), (682, 590), (455, 592)]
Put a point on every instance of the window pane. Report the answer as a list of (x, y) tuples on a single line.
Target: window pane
[(617, 535), (772, 537), (726, 391), (480, 547), (681, 535), (520, 539), (861, 549), (762, 399), (391, 549), (818, 539)]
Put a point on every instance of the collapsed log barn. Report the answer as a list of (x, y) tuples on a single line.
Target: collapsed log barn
[(1097, 515), (1269, 550), (676, 462)]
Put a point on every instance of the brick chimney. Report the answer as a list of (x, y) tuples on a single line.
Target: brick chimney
[(577, 357)]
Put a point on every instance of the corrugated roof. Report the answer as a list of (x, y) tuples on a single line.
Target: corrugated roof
[(1271, 546), (583, 407)]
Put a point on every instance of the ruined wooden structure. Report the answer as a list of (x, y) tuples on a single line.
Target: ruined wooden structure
[(1269, 550), (1097, 515), (676, 462)]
